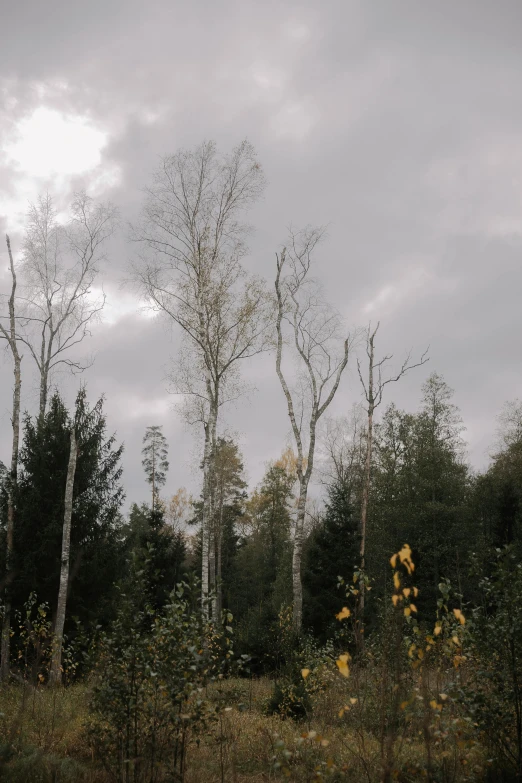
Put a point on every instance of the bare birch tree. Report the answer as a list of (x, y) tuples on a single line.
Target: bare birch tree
[(373, 389), (9, 333), (314, 332), (55, 674), (190, 271), (60, 265)]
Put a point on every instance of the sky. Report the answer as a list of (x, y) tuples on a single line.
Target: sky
[(396, 124)]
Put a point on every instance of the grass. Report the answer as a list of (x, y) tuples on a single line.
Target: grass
[(43, 741)]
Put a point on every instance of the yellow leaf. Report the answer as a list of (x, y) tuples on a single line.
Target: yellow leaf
[(342, 665), (460, 617), (393, 561), (406, 592), (353, 701), (433, 704), (404, 704), (413, 607), (415, 592), (437, 630), (455, 640), (341, 713), (443, 696), (420, 653), (305, 673), (345, 612), (407, 611), (395, 599), (325, 743), (411, 650), (396, 580)]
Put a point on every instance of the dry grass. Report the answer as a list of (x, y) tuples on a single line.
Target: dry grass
[(43, 741)]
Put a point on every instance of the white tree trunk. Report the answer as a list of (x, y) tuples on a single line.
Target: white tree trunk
[(297, 585), (13, 473), (56, 664)]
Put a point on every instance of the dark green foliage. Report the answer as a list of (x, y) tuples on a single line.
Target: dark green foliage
[(96, 539), (494, 695), (332, 551), (264, 567), (160, 549)]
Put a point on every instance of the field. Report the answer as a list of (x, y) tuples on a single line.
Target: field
[(44, 739)]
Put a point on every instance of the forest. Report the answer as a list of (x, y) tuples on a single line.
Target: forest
[(356, 616)]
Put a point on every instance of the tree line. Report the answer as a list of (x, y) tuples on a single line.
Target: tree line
[(401, 477)]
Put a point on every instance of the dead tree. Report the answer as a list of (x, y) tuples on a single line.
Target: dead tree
[(10, 334), (305, 322), (373, 389)]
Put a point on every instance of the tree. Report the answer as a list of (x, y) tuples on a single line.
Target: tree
[(56, 663), (96, 550), (314, 328), (9, 333), (332, 551), (159, 551), (228, 491), (263, 581), (60, 265), (154, 460), (190, 271), (373, 388)]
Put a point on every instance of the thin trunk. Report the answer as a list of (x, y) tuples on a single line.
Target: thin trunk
[(13, 473), (212, 515), (219, 552), (297, 584), (205, 521), (153, 477), (56, 663)]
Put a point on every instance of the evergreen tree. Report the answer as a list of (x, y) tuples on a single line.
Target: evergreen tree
[(159, 548), (96, 554), (332, 551)]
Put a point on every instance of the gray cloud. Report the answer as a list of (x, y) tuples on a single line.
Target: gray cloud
[(398, 125)]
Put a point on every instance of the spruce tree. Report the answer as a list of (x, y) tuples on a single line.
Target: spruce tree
[(332, 551)]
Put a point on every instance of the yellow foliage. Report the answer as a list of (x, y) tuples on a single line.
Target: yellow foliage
[(406, 592), (342, 664), (413, 607), (438, 629), (460, 617), (396, 580), (305, 673), (345, 612), (407, 611)]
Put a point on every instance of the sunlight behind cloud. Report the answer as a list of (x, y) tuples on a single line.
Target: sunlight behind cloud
[(50, 143)]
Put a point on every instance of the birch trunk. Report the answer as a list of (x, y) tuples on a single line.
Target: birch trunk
[(205, 521), (13, 473), (56, 663), (297, 584)]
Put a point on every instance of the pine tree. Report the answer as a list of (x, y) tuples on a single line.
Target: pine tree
[(155, 463)]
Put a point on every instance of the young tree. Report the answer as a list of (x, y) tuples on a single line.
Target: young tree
[(190, 271), (373, 388), (315, 334), (155, 463), (60, 265), (9, 333)]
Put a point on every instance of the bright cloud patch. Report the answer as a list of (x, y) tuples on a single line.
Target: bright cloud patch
[(50, 143)]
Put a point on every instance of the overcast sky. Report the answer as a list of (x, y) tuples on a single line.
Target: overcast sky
[(399, 124)]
